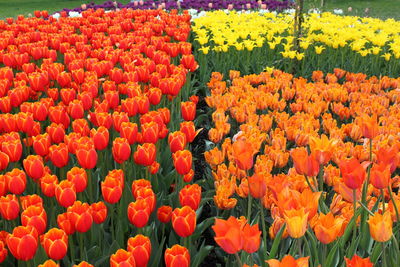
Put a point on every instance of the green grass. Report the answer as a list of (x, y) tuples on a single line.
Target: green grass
[(13, 8), (383, 9)]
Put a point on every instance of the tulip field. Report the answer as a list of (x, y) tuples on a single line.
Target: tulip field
[(193, 133)]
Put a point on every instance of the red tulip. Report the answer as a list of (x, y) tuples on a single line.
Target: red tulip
[(188, 110), (80, 216), (182, 161), (48, 184), (99, 212), (79, 177), (121, 150), (55, 243), (34, 166), (164, 214), (13, 149), (184, 221), (177, 141), (100, 137), (4, 160), (65, 223), (16, 181), (111, 190), (177, 256), (9, 207), (190, 195), (138, 213), (35, 216), (122, 258), (129, 131), (3, 251), (145, 154), (59, 155), (140, 248), (41, 144), (23, 242), (65, 193), (87, 156), (56, 132)]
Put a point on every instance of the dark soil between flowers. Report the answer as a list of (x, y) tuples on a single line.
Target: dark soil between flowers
[(200, 165)]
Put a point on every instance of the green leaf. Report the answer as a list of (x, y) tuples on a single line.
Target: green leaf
[(353, 247), (156, 255), (201, 255), (311, 242), (376, 252), (276, 242), (332, 258), (202, 227)]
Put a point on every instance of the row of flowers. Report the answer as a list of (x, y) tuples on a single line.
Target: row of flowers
[(95, 130), (314, 163), (251, 41), (189, 4)]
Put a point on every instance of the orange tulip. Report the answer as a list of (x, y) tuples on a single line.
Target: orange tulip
[(369, 126), (243, 154), (380, 226), (296, 222), (289, 261), (99, 212), (251, 238), (257, 185), (353, 173), (83, 264), (357, 261), (228, 234), (322, 148), (327, 228), (304, 164), (380, 175)]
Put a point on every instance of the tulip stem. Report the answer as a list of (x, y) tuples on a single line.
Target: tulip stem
[(81, 245), (249, 206), (71, 249), (383, 201), (90, 185), (321, 178), (355, 218), (263, 224), (383, 255), (309, 184), (394, 203), (238, 260)]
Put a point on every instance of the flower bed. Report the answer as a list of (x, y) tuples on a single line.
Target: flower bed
[(252, 41), (96, 120), (189, 4), (308, 160)]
